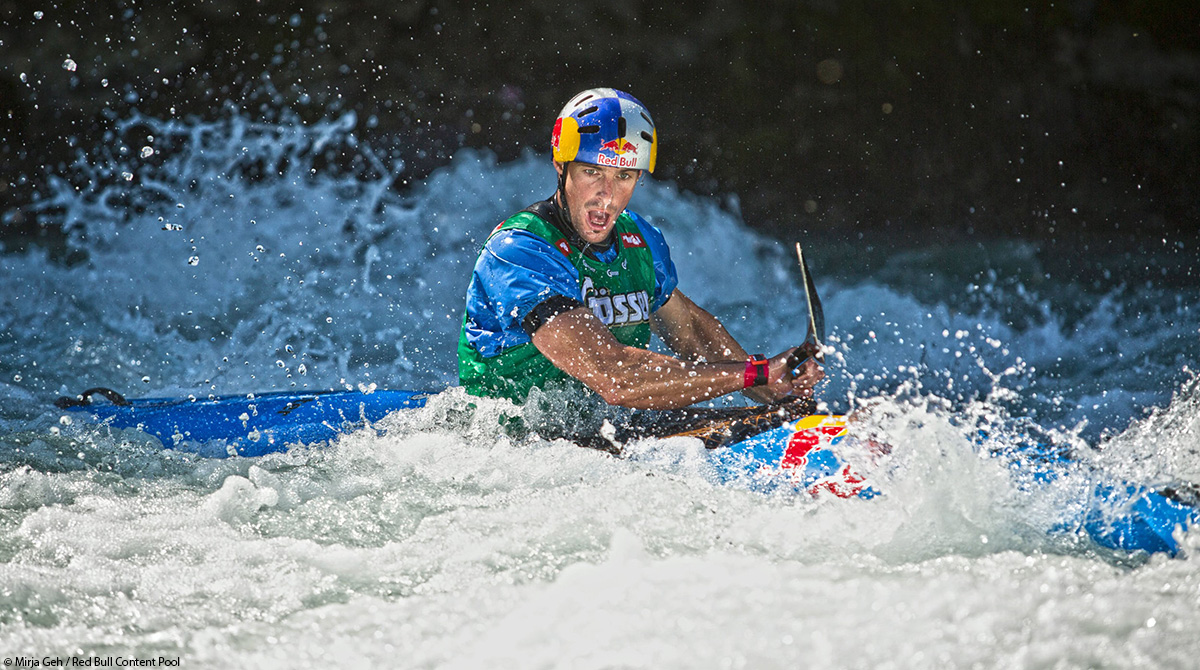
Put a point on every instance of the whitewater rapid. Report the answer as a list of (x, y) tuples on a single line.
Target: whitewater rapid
[(237, 256)]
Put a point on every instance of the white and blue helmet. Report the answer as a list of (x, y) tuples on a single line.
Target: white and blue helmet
[(604, 126)]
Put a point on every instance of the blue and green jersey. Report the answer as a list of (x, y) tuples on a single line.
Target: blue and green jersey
[(528, 261)]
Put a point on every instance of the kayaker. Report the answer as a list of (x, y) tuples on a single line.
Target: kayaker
[(570, 289)]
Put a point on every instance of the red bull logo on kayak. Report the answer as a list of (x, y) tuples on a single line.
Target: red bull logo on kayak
[(812, 434), (808, 438)]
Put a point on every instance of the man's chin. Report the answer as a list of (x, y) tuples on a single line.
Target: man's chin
[(594, 235), (597, 236)]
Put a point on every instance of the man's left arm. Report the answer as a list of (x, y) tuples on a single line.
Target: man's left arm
[(695, 335), (692, 333)]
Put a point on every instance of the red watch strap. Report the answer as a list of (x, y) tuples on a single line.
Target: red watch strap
[(757, 369)]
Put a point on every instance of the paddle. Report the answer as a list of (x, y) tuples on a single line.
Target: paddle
[(815, 328)]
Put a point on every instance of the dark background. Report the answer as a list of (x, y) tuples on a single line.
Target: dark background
[(908, 122)]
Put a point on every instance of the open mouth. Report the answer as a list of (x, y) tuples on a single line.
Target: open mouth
[(598, 219)]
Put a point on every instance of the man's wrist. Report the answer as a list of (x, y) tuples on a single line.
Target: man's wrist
[(757, 372)]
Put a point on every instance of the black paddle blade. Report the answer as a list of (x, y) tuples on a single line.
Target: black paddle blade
[(816, 314)]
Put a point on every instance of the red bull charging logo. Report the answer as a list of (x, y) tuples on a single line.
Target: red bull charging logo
[(619, 146), (806, 451)]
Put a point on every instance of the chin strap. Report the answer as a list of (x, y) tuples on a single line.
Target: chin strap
[(561, 197)]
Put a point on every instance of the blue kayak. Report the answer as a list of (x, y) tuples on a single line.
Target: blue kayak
[(244, 425), (765, 448)]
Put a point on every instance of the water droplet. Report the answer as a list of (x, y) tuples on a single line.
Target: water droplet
[(38, 15), (329, 319), (69, 65), (65, 420), (147, 152), (194, 260), (289, 348), (279, 364), (302, 369), (146, 379), (16, 378)]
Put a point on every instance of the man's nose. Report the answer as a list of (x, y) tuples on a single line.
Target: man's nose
[(608, 186)]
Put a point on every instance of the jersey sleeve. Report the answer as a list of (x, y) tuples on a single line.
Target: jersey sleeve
[(666, 280), (516, 272)]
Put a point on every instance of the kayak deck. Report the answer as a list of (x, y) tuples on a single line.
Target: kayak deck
[(250, 425)]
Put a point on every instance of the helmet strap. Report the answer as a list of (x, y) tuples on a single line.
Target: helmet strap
[(562, 193)]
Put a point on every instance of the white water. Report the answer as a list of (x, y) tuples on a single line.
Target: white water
[(440, 544)]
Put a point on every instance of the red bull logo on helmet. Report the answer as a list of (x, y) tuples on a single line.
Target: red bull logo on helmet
[(618, 161), (619, 146), (618, 153)]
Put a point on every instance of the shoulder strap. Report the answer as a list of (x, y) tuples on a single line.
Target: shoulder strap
[(547, 210)]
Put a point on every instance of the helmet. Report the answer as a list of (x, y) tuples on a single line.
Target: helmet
[(605, 126)]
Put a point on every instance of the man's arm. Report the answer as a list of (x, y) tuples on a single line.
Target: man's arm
[(693, 333), (690, 331), (579, 344)]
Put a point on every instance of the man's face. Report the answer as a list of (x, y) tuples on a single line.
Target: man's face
[(596, 195)]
